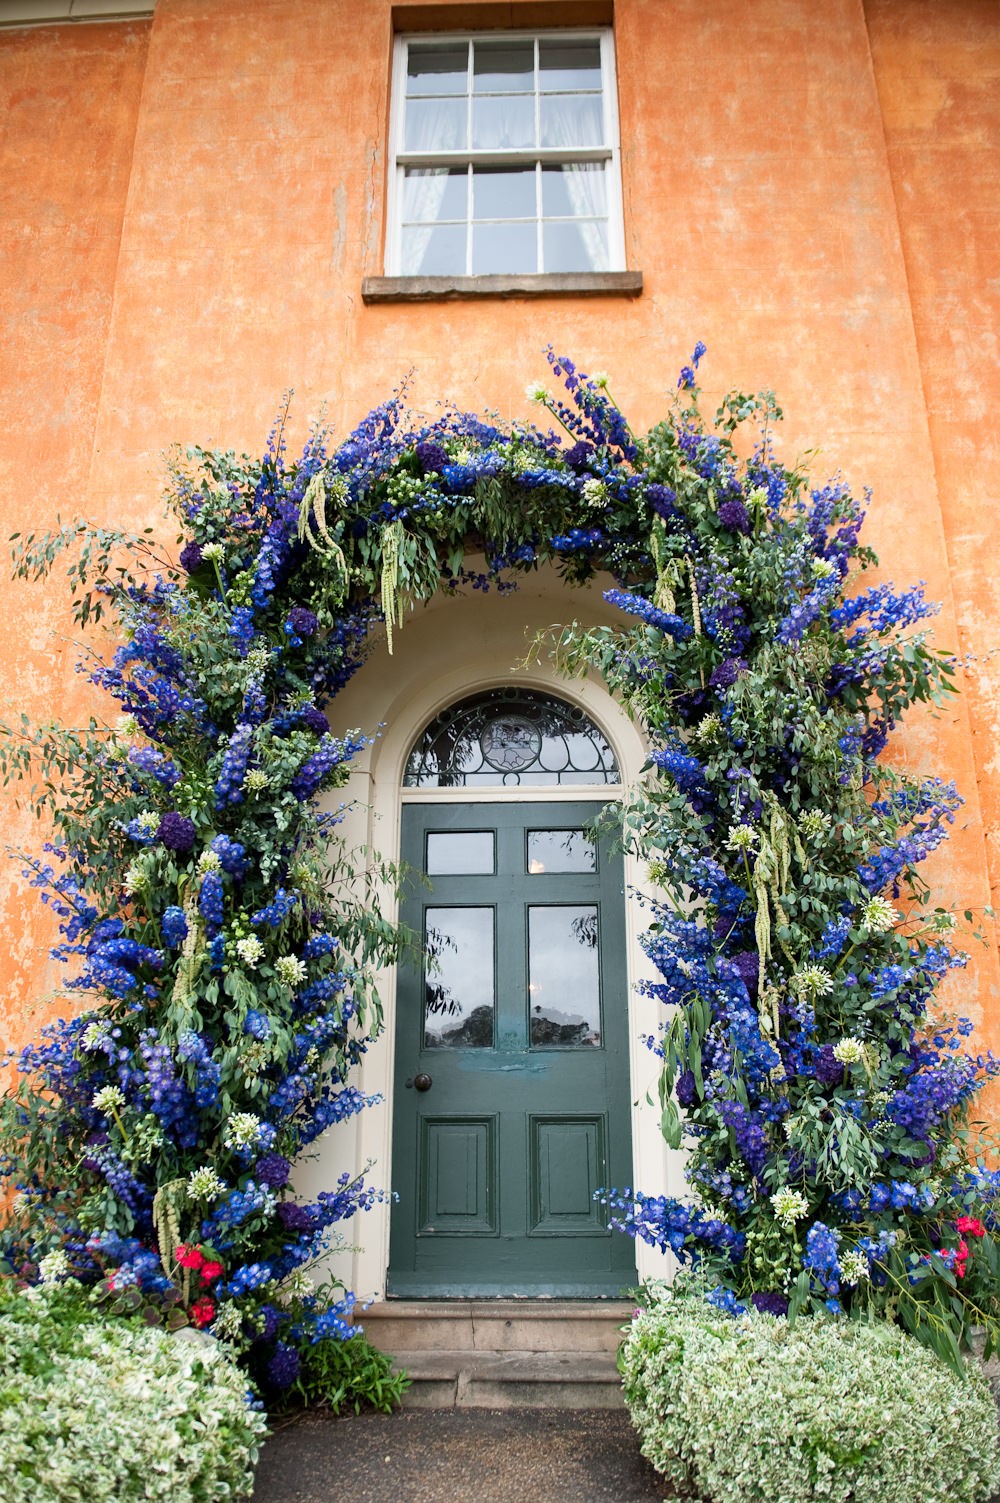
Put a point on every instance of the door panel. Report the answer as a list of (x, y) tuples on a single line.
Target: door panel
[(519, 1022)]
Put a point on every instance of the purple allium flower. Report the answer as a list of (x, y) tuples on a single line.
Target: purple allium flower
[(662, 500), (302, 622), (734, 516), (295, 1217), (283, 1367), (177, 832), (273, 1169), (578, 456), (191, 557), (685, 1089), (827, 1067), (431, 457), (747, 962), (728, 671), (314, 720), (769, 1303)]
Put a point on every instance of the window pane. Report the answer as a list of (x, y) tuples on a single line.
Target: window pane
[(502, 194), (560, 851), (431, 193), (577, 190), (571, 120), (569, 64), (503, 122), (576, 247), (458, 979), (437, 68), (435, 125), (503, 67), (432, 252), (500, 248), (460, 853), (564, 975)]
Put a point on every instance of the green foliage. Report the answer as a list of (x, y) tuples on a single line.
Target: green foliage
[(756, 1410), (113, 1412), (342, 1375)]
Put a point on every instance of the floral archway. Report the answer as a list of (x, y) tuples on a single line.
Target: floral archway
[(212, 920)]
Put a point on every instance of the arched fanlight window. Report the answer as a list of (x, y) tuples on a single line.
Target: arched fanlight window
[(510, 738)]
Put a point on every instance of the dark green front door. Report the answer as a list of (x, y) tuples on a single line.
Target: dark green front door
[(511, 1102)]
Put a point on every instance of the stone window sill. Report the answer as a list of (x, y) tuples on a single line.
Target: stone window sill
[(451, 289)]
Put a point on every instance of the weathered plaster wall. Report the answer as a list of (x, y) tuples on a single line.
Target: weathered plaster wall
[(69, 98), (769, 155), (937, 67)]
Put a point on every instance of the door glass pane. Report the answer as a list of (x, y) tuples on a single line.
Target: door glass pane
[(560, 851), (503, 67), (453, 853), (433, 251), (434, 193), (437, 68), (576, 247), (568, 64), (498, 248), (571, 120), (564, 976), (458, 978), (435, 124), (501, 194)]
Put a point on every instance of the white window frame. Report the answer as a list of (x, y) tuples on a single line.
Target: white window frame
[(610, 152)]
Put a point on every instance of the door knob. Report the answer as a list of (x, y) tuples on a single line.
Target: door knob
[(422, 1082)]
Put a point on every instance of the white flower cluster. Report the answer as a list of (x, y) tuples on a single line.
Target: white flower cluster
[(537, 391), (595, 492), (290, 970), (205, 1184), (849, 1051), (95, 1035), (878, 916), (108, 1099), (250, 950), (54, 1267), (209, 861), (849, 1412), (741, 838), (821, 568), (213, 551), (854, 1266), (789, 1205), (814, 822), (242, 1130), (148, 820), (811, 982), (256, 780)]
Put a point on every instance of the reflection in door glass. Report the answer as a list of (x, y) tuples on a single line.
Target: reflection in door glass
[(560, 851), (458, 978), (564, 975), (459, 853)]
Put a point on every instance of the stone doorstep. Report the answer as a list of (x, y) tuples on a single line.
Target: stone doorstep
[(498, 1326), (511, 1380)]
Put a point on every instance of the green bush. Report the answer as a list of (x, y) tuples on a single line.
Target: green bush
[(93, 1409), (752, 1409)]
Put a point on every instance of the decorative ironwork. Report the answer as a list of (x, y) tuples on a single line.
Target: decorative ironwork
[(510, 738)]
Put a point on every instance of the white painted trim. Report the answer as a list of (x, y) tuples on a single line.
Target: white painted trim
[(450, 649), (29, 13)]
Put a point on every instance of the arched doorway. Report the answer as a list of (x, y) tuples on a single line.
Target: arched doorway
[(511, 1092)]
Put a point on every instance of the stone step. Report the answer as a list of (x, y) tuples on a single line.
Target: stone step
[(510, 1380), (543, 1326)]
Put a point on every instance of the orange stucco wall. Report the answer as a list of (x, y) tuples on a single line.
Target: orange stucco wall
[(69, 99), (785, 166)]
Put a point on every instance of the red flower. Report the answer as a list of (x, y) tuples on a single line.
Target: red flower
[(202, 1312), (961, 1258), (210, 1271), (189, 1257), (970, 1227)]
